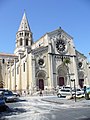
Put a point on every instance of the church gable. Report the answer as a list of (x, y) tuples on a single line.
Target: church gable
[(61, 43)]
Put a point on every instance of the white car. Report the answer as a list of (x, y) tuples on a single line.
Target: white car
[(78, 90), (65, 92), (79, 93)]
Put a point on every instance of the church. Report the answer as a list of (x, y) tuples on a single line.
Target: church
[(46, 64)]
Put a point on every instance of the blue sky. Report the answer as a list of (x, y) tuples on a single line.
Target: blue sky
[(44, 16)]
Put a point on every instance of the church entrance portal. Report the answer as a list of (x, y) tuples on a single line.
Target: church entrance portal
[(61, 81), (41, 79), (81, 82), (41, 84), (81, 79), (62, 75)]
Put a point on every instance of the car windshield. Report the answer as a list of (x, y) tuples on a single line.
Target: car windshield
[(63, 90), (8, 92), (2, 90), (78, 90), (67, 87)]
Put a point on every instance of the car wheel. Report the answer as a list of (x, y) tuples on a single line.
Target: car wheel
[(59, 95), (5, 99)]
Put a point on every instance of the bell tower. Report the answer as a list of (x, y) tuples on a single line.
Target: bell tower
[(23, 36)]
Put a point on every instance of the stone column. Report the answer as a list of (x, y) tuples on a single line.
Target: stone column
[(10, 82), (75, 71), (27, 70), (20, 80), (33, 74), (50, 65), (6, 77), (15, 74)]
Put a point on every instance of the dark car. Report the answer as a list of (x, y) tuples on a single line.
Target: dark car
[(2, 102), (8, 95), (17, 94)]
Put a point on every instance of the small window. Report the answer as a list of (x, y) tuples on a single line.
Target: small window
[(3, 61), (20, 34), (25, 34), (26, 42), (23, 67), (21, 42)]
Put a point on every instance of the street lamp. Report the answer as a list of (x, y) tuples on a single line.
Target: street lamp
[(73, 80), (69, 75)]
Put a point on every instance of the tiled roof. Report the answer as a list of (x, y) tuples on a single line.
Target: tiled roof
[(8, 55)]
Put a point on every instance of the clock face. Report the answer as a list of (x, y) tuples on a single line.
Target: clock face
[(61, 46)]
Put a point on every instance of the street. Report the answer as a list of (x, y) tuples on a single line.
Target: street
[(37, 108)]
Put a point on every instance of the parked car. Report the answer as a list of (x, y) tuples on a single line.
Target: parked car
[(88, 90), (79, 95), (8, 95), (65, 92), (66, 87), (17, 94), (78, 90), (2, 101)]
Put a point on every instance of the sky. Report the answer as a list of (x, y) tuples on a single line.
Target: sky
[(73, 16)]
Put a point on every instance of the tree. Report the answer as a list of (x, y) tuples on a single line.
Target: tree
[(66, 61)]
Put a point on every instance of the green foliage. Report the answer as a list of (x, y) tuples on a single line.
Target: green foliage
[(66, 61)]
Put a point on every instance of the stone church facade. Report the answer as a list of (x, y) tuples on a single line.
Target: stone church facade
[(46, 64)]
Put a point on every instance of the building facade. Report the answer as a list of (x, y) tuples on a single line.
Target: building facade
[(46, 64)]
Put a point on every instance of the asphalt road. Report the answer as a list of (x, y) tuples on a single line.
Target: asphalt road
[(33, 108), (70, 114)]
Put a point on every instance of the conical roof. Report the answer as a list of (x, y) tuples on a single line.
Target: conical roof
[(24, 24)]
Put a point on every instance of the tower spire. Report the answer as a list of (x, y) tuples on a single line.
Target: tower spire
[(24, 23), (24, 38)]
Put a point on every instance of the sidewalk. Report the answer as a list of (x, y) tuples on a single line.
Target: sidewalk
[(63, 101)]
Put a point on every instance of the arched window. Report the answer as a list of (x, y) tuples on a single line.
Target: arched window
[(27, 34), (20, 41), (20, 34), (26, 42), (3, 61)]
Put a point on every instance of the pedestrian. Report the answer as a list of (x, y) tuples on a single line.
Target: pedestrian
[(40, 92), (84, 89), (25, 93)]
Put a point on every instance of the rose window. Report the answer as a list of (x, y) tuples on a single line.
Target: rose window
[(40, 61), (61, 46)]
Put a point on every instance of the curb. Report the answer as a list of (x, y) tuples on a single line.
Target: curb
[(52, 101)]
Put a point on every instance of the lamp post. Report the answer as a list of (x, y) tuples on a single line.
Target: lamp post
[(73, 80), (69, 75)]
